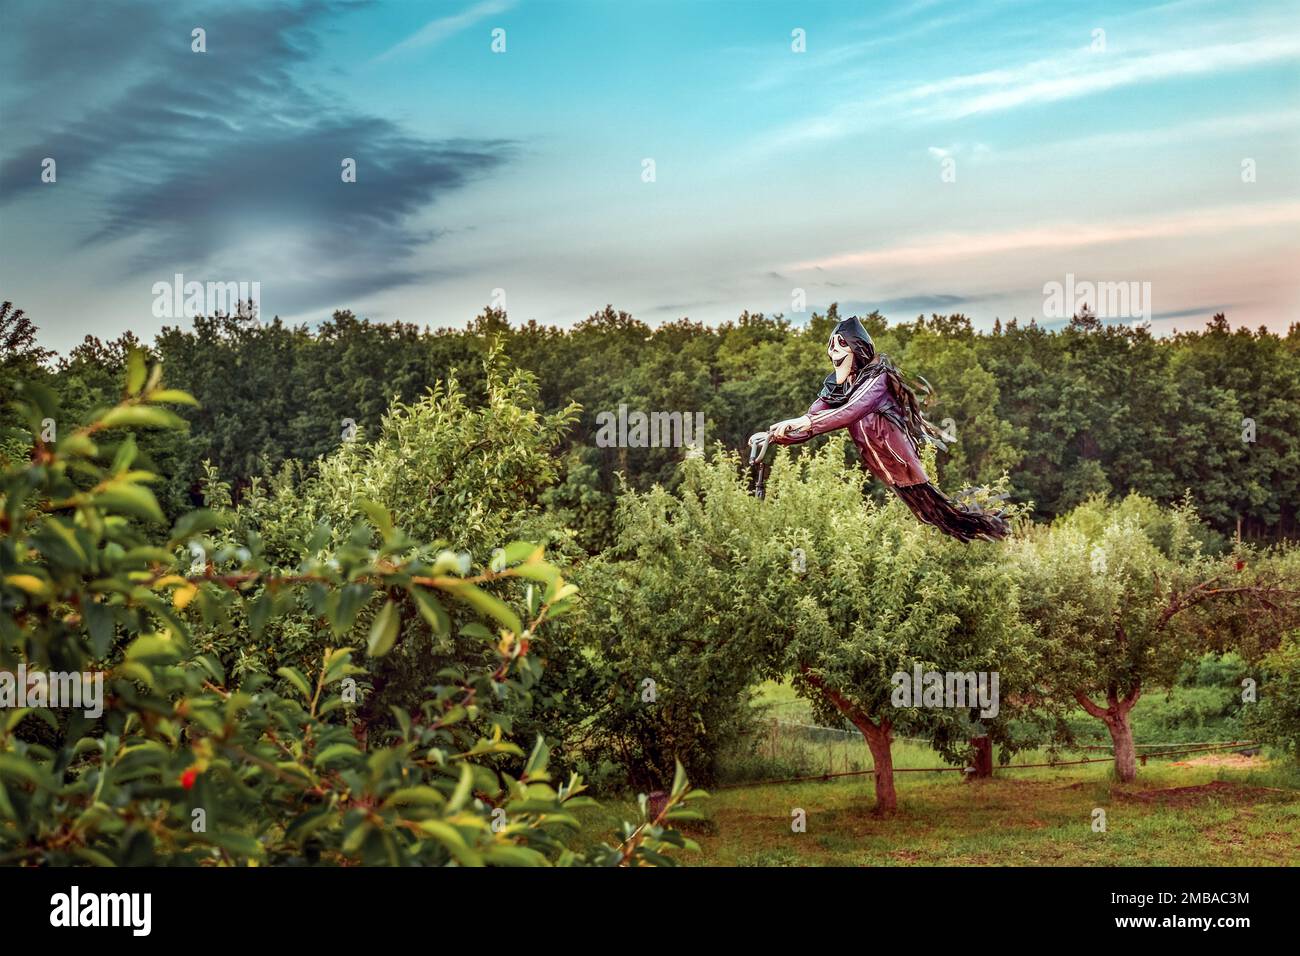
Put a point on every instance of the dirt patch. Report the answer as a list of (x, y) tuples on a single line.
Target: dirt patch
[(1186, 796), (1236, 761)]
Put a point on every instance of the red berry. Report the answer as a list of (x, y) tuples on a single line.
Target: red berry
[(1240, 565), (188, 778)]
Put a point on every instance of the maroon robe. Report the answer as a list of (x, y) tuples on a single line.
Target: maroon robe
[(870, 414)]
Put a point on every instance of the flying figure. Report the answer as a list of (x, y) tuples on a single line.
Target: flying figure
[(866, 394)]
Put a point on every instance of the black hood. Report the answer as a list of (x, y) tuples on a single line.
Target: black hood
[(859, 340), (903, 407), (864, 356)]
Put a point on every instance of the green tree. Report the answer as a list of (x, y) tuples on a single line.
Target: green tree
[(1122, 596), (450, 470), (1275, 717), (711, 589), (175, 762)]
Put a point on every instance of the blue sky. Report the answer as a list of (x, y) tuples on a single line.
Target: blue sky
[(1112, 156)]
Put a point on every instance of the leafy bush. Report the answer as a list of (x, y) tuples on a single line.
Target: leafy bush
[(1275, 718), (711, 589), (185, 764), (452, 470)]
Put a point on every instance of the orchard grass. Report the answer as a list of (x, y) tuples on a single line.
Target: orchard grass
[(1039, 817), (1214, 809)]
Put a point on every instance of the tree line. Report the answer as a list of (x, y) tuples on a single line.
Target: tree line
[(1067, 413)]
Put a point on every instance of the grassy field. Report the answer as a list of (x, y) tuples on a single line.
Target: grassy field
[(1197, 810), (1212, 811)]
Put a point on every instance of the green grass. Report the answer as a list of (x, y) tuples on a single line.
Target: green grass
[(1019, 818), (1248, 816)]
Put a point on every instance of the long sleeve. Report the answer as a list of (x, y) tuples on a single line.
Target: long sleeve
[(869, 397), (799, 438), (795, 438)]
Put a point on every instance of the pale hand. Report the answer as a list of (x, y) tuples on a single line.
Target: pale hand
[(782, 429)]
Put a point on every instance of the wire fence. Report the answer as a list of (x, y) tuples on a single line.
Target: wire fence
[(1173, 750)]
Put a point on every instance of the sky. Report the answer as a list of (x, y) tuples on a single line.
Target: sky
[(673, 159)]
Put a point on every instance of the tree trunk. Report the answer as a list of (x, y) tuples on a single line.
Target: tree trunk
[(880, 740), (1121, 736), (983, 765), (1115, 717)]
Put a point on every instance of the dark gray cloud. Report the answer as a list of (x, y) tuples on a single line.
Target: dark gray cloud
[(196, 157)]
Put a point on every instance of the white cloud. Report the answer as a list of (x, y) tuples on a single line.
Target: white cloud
[(955, 246), (1087, 73), (435, 31), (1071, 74)]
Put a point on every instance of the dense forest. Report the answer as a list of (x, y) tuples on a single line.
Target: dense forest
[(1088, 409)]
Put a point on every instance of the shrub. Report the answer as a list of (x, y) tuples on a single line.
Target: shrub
[(452, 470), (1275, 718), (185, 764)]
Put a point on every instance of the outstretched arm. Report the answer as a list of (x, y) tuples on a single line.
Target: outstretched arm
[(795, 431), (821, 418)]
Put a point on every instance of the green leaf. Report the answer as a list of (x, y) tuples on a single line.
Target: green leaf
[(506, 855), (538, 571), (307, 824), (450, 838), (173, 395), (259, 612), (125, 455), (351, 598), (98, 619), (383, 632), (19, 768), (679, 780), (93, 857), (378, 516), (334, 751), (237, 843), (126, 498), (140, 416), (489, 604), (415, 796), (538, 759), (432, 611), (463, 789), (294, 677), (68, 537), (152, 647), (194, 522), (135, 371), (517, 551)]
